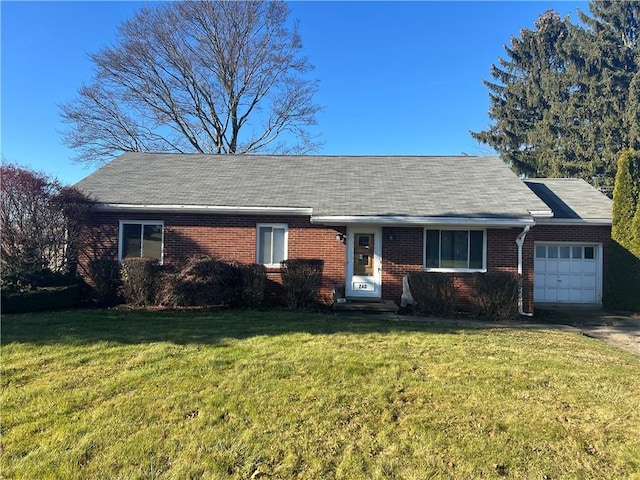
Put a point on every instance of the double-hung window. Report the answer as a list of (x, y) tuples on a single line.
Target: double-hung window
[(143, 238), (271, 248), (455, 250)]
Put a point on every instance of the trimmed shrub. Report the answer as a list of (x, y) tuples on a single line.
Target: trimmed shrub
[(39, 290), (433, 293), (106, 278), (203, 281), (301, 280), (254, 281), (43, 298), (497, 295), (24, 281), (139, 279)]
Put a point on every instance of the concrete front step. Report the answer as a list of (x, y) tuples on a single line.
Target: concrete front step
[(381, 306)]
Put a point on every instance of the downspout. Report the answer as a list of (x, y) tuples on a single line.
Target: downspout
[(520, 241)]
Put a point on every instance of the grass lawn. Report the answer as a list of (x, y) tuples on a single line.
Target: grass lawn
[(233, 394)]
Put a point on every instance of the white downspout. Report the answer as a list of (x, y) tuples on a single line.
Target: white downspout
[(520, 241)]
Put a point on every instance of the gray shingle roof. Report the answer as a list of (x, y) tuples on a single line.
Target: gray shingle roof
[(447, 186), (572, 199)]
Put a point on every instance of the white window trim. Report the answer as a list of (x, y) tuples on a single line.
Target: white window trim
[(454, 270), (140, 222), (286, 241)]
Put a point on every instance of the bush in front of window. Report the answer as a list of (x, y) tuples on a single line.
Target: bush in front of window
[(301, 280), (139, 280), (106, 278), (202, 281), (497, 295), (433, 293)]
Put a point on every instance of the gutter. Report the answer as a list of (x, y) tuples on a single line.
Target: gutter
[(414, 220), (520, 242), (595, 222), (217, 209)]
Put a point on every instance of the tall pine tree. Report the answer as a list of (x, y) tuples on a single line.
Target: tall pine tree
[(525, 99), (606, 53), (566, 100)]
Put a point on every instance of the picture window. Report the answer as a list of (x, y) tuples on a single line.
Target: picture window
[(457, 250)]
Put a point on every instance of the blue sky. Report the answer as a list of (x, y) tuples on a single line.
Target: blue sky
[(395, 77)]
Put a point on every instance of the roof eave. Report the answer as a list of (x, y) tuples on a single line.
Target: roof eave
[(211, 209)]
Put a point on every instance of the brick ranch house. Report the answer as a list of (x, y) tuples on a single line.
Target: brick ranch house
[(372, 219)]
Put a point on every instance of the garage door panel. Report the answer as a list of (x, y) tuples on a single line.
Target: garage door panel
[(563, 294), (575, 295), (576, 267), (551, 266), (576, 281), (589, 267)]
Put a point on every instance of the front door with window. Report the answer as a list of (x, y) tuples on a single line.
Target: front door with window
[(364, 263)]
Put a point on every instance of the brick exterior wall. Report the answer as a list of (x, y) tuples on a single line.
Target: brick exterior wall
[(234, 238), (228, 237), (404, 254)]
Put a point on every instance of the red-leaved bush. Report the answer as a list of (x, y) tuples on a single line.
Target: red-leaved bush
[(41, 223)]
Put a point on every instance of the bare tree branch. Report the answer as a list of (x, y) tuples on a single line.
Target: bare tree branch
[(197, 76)]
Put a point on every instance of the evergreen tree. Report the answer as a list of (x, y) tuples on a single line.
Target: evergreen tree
[(566, 100), (624, 200), (632, 111), (623, 273), (635, 229), (607, 58), (525, 98)]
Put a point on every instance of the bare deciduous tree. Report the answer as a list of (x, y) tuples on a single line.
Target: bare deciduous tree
[(197, 76)]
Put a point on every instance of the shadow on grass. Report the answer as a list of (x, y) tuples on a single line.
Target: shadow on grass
[(130, 327)]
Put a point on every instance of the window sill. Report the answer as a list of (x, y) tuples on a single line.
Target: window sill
[(273, 268), (456, 270)]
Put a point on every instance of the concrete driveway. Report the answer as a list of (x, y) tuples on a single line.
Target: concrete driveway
[(617, 329)]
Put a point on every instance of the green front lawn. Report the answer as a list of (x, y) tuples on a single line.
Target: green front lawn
[(231, 394)]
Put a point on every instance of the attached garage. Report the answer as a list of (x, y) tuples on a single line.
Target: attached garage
[(567, 273), (570, 249)]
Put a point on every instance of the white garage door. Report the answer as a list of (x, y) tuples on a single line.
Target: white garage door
[(567, 273)]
